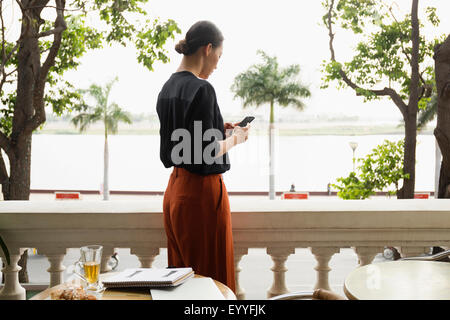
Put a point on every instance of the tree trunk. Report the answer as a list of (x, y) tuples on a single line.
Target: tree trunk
[(19, 180), (272, 154), (409, 161), (442, 130), (410, 116), (17, 186)]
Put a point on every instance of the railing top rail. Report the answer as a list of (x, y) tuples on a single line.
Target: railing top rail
[(237, 206), (261, 215)]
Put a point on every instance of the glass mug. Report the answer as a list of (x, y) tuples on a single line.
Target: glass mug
[(88, 267)]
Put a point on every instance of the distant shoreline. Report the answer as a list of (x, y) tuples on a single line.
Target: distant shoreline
[(148, 124), (340, 130)]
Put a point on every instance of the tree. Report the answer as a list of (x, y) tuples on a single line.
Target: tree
[(267, 83), (380, 170), (442, 130), (383, 167), (109, 113), (33, 65), (394, 55)]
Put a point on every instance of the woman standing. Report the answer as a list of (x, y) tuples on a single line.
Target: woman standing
[(197, 217)]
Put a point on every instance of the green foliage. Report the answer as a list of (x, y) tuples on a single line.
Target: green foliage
[(383, 57), (149, 38), (266, 82), (381, 170), (353, 13), (384, 166), (332, 70), (157, 37), (432, 17), (428, 113), (7, 113), (110, 114), (353, 188)]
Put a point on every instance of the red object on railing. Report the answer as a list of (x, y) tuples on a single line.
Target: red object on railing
[(67, 195), (295, 195), (421, 196)]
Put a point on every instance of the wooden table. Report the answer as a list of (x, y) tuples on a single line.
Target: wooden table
[(132, 293), (400, 280)]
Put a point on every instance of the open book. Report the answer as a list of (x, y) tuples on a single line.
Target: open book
[(148, 277), (194, 289)]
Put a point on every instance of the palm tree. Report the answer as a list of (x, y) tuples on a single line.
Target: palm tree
[(110, 114), (267, 83)]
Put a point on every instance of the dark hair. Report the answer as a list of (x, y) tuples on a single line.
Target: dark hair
[(200, 34)]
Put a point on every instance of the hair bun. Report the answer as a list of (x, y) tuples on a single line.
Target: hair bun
[(199, 34), (181, 46)]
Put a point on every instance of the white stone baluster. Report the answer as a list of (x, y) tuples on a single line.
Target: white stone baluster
[(323, 256), (366, 254), (56, 269), (106, 255), (279, 257), (12, 290), (413, 251), (55, 257), (145, 255), (239, 252)]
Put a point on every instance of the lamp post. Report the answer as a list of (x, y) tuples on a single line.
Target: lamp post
[(353, 145)]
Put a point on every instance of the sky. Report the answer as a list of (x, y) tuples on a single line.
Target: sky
[(288, 29)]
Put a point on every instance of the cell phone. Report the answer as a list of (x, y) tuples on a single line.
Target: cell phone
[(246, 120)]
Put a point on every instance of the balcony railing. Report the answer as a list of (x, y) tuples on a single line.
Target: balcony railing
[(280, 226)]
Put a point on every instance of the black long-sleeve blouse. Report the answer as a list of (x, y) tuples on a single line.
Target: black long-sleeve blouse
[(191, 125)]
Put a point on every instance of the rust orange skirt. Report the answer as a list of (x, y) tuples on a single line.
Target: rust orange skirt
[(197, 220)]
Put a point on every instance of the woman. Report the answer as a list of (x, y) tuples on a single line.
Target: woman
[(197, 216)]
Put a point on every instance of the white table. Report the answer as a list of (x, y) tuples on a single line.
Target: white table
[(400, 280)]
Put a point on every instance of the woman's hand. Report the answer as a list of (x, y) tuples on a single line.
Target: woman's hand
[(228, 127), (237, 135), (240, 134)]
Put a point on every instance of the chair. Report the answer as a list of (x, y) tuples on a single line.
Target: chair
[(318, 294), (441, 256), (321, 294)]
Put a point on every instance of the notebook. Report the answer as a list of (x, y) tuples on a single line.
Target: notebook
[(193, 289), (148, 277)]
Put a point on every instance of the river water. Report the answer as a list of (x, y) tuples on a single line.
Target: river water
[(310, 162)]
